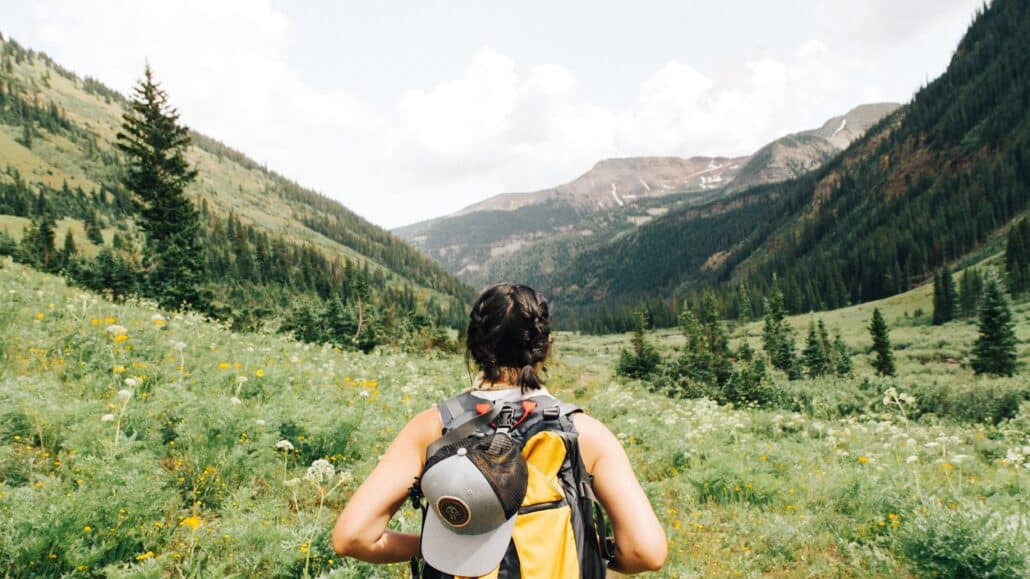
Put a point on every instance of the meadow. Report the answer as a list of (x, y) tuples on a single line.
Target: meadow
[(139, 443)]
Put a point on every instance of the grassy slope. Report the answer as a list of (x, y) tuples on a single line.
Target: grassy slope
[(194, 485), (227, 185)]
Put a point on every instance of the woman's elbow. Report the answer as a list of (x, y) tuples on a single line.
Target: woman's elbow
[(345, 541), (647, 556)]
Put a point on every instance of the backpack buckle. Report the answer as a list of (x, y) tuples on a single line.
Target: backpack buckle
[(551, 413), (506, 420)]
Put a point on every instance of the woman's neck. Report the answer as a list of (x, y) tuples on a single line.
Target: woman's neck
[(481, 383)]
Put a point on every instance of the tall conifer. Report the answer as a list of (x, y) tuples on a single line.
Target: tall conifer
[(157, 173), (995, 349), (883, 361)]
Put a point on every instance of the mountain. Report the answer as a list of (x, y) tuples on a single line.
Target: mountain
[(505, 235), (270, 243), (928, 184)]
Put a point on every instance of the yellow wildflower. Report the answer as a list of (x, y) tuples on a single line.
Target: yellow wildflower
[(118, 369), (87, 529), (863, 459), (193, 522), (260, 373), (39, 315), (119, 338), (223, 365)]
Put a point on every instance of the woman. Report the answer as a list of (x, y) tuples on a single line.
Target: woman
[(509, 339)]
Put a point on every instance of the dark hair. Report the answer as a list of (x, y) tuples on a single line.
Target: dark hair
[(510, 329)]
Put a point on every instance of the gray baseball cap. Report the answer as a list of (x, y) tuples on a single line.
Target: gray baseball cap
[(474, 489)]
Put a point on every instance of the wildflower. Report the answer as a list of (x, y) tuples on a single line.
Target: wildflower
[(223, 365), (1015, 457), (120, 338), (284, 445), (131, 382), (947, 466), (107, 418), (259, 422), (87, 529), (292, 482), (124, 394), (116, 330), (235, 401), (179, 345), (158, 320), (346, 477), (193, 522), (320, 470), (260, 373), (145, 556), (118, 369), (863, 460), (911, 458), (39, 316)]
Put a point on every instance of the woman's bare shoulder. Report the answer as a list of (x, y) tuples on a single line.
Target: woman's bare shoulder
[(595, 440)]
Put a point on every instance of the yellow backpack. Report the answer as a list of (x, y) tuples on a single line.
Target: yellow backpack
[(560, 531)]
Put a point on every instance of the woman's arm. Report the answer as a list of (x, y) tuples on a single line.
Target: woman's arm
[(360, 531), (640, 543)]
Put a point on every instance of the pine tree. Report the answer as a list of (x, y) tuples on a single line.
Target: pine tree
[(642, 359), (841, 356), (995, 349), (157, 173), (1017, 258), (778, 336), (884, 356), (945, 299), (70, 251), (817, 359), (970, 290)]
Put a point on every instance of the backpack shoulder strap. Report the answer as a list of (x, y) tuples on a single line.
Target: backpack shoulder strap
[(461, 419), (453, 411)]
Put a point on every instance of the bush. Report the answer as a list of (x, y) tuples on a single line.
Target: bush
[(966, 541)]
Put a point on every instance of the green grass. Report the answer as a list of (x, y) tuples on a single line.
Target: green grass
[(183, 480)]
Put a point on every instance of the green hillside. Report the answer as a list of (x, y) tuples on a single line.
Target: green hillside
[(138, 443), (269, 242), (924, 187)]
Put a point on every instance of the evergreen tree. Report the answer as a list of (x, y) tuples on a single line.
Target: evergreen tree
[(642, 359), (945, 299), (37, 245), (883, 361), (70, 251), (970, 290), (841, 356), (778, 336), (1017, 258), (157, 173), (815, 354), (995, 349)]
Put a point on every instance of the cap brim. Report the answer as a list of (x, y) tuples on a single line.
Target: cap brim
[(464, 555)]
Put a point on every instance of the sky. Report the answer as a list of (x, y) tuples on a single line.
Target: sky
[(405, 111)]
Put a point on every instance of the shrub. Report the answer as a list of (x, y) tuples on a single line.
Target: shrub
[(966, 541)]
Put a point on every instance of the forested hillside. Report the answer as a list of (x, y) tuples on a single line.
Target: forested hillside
[(927, 185), (274, 251)]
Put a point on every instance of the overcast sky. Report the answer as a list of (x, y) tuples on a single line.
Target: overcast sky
[(410, 110)]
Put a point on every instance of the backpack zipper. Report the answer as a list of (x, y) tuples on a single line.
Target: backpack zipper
[(541, 507)]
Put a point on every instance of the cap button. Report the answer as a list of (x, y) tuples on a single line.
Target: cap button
[(462, 451)]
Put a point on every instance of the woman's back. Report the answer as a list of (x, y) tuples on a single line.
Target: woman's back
[(509, 339)]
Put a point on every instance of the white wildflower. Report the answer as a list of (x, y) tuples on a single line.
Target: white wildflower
[(124, 394), (157, 318), (284, 445), (363, 393), (910, 442), (911, 458), (320, 470), (117, 330), (179, 345), (241, 379), (107, 418), (1014, 456), (259, 422), (292, 482), (131, 382), (346, 477), (235, 401)]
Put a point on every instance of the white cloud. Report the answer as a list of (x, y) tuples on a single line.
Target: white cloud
[(501, 125)]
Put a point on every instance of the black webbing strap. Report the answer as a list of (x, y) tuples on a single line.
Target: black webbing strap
[(464, 430)]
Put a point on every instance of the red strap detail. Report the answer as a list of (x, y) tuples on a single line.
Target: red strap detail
[(528, 406), (483, 407)]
